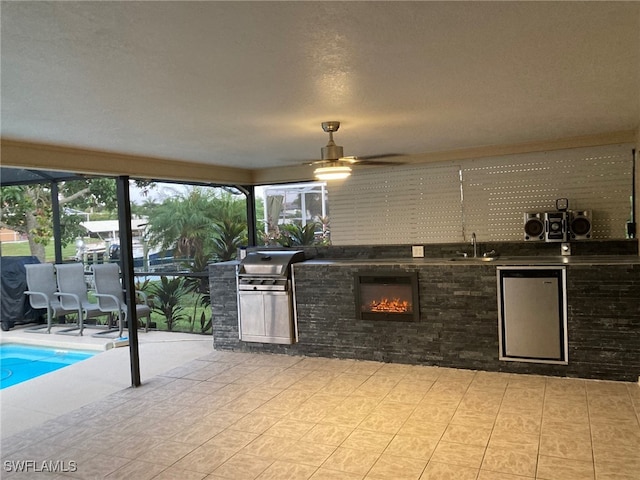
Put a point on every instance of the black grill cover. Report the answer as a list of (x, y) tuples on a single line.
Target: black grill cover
[(15, 304)]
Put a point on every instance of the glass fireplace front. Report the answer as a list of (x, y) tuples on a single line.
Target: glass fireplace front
[(387, 296)]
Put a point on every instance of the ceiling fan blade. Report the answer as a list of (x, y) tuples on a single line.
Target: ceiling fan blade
[(377, 162), (319, 163), (374, 157), (352, 160)]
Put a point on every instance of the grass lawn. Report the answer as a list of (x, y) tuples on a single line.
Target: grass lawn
[(21, 249)]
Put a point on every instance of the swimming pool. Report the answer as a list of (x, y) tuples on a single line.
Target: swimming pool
[(19, 363)]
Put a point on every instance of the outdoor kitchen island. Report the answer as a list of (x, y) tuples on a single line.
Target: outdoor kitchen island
[(457, 322)]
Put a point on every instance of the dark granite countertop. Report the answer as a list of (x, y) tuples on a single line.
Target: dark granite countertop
[(497, 261)]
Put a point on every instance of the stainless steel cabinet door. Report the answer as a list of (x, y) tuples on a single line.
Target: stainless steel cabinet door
[(265, 317), (532, 322), (532, 314), (251, 314), (278, 322)]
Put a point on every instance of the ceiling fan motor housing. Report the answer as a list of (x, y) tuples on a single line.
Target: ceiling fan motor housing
[(332, 152)]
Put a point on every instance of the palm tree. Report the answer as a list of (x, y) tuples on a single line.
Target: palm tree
[(229, 234), (200, 225), (166, 299), (181, 223), (293, 235)]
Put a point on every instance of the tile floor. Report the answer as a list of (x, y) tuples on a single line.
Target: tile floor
[(243, 416)]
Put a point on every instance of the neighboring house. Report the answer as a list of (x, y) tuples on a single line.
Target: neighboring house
[(7, 235)]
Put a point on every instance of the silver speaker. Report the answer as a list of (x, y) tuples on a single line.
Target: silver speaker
[(580, 224), (555, 224), (533, 227)]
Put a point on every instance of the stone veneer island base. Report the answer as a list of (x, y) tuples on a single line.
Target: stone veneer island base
[(458, 322)]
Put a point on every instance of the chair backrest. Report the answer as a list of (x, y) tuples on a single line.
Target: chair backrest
[(106, 278), (41, 278), (70, 278)]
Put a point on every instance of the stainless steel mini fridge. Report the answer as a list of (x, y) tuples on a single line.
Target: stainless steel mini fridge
[(532, 324)]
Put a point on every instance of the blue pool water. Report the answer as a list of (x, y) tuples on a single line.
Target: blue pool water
[(19, 363)]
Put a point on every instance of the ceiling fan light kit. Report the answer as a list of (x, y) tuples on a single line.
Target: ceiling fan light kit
[(331, 168), (335, 172)]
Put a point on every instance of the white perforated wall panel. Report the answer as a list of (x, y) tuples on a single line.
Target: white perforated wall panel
[(439, 203), (497, 191), (397, 205)]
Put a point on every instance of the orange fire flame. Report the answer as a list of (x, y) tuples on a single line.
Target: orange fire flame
[(390, 306)]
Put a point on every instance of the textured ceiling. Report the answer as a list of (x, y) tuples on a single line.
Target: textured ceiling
[(247, 84)]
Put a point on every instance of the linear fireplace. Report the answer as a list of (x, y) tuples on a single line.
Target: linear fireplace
[(387, 296)]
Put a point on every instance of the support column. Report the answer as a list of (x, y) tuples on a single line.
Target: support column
[(57, 230), (126, 259), (252, 222)]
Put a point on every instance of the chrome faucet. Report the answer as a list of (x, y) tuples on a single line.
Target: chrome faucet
[(475, 244)]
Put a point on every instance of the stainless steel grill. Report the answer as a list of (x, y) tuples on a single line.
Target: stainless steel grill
[(265, 296)]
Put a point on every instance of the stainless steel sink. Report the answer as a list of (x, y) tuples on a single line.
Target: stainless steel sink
[(473, 259)]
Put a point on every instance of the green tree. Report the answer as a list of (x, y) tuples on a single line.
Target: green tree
[(27, 209), (199, 225), (230, 228), (181, 223)]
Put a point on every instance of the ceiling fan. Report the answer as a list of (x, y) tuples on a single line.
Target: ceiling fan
[(334, 165)]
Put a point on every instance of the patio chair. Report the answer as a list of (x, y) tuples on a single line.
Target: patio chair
[(41, 284), (73, 294), (110, 295)]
